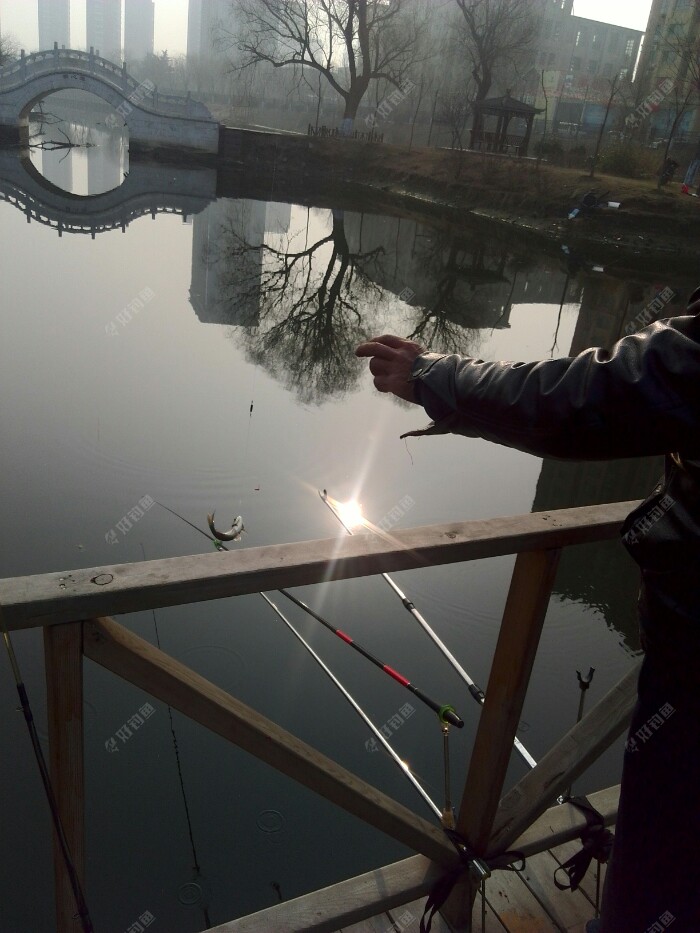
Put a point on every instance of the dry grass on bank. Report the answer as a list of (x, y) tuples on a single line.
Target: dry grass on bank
[(476, 179)]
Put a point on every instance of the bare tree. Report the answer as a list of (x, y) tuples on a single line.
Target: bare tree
[(496, 36), (9, 49), (616, 87), (351, 43), (310, 304)]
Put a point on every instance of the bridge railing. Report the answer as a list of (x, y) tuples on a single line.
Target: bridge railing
[(35, 210), (16, 73)]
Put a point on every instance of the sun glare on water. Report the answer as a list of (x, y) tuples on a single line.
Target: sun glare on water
[(350, 513)]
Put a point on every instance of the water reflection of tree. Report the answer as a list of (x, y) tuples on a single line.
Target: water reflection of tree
[(312, 303), (464, 300)]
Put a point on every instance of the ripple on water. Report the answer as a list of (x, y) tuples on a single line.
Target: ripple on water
[(272, 824)]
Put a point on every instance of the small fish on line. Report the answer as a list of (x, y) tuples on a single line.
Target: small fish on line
[(251, 409), (233, 534)]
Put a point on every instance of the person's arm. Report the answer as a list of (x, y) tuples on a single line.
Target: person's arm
[(640, 398)]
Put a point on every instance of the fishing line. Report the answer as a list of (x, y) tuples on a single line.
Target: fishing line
[(176, 749), (75, 884)]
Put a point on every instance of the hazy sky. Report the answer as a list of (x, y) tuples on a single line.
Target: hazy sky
[(18, 17)]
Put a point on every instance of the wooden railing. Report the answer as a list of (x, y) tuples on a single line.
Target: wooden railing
[(74, 608)]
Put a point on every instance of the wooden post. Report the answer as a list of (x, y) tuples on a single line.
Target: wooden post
[(63, 654), (523, 617)]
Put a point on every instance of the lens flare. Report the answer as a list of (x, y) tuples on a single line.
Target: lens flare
[(350, 513)]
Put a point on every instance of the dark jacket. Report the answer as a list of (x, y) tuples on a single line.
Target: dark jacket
[(639, 399)]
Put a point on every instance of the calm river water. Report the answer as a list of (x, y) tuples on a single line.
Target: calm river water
[(133, 347)]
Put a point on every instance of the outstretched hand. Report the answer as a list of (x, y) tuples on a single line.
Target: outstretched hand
[(391, 362)]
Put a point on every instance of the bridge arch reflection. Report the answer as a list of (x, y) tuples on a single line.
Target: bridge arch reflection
[(148, 189)]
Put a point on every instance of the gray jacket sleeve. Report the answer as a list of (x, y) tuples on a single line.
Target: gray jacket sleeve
[(640, 398)]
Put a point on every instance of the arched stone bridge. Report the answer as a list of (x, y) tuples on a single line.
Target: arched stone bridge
[(153, 119), (147, 189)]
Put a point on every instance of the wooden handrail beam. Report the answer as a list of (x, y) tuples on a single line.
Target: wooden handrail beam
[(342, 905), (47, 599), (120, 651)]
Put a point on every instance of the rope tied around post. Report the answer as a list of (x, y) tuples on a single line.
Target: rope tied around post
[(479, 868), (597, 844)]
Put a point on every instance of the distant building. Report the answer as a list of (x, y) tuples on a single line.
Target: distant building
[(673, 28), (277, 217), (579, 58), (204, 21), (54, 23), (103, 27), (139, 17), (227, 264)]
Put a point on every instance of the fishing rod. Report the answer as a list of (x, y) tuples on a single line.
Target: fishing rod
[(358, 709), (446, 713), (474, 689), (76, 887)]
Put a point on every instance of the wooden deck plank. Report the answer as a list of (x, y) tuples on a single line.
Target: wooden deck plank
[(516, 907), (568, 909), (67, 596), (529, 901)]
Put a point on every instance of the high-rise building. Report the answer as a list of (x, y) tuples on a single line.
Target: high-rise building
[(103, 27), (227, 264), (139, 17), (54, 23), (576, 59), (204, 22), (669, 58)]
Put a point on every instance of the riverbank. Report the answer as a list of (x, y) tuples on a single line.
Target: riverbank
[(650, 226)]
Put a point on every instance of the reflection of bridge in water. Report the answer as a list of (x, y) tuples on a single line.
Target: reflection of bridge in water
[(153, 119), (147, 189)]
